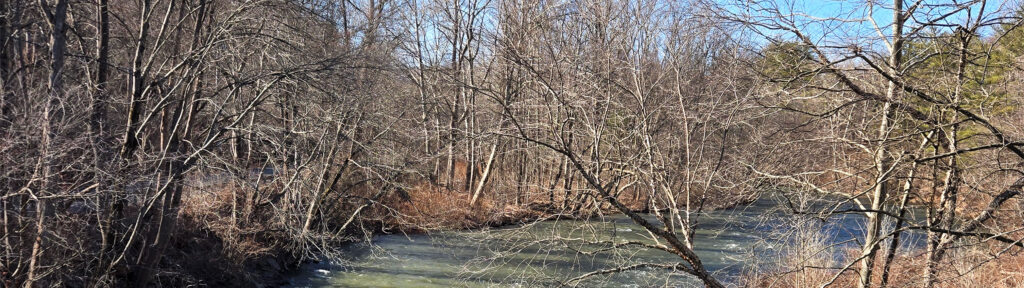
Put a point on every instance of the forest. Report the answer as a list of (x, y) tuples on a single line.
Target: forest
[(234, 143)]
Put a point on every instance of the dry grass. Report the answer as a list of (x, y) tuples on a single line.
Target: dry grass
[(245, 236), (964, 268), (431, 208)]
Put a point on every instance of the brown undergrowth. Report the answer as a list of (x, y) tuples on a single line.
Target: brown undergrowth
[(965, 267)]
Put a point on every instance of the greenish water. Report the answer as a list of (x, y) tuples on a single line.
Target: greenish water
[(729, 242)]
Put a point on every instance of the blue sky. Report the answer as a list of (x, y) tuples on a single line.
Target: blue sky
[(820, 19)]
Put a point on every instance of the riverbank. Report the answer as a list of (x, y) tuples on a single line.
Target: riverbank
[(727, 238), (212, 253), (967, 267), (266, 257), (220, 247)]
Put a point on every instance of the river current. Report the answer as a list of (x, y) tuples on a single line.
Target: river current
[(748, 239)]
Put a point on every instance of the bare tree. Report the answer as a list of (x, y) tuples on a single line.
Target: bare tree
[(835, 84)]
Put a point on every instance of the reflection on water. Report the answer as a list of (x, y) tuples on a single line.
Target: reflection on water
[(548, 253)]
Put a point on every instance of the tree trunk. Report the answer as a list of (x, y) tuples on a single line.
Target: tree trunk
[(483, 177), (938, 243), (883, 161), (908, 187), (51, 114), (136, 84), (101, 154), (554, 182)]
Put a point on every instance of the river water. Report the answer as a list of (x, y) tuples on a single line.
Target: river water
[(729, 242)]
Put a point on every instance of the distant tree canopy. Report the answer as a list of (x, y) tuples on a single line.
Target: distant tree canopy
[(786, 61)]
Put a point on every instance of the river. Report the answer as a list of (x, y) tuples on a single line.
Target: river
[(730, 243)]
